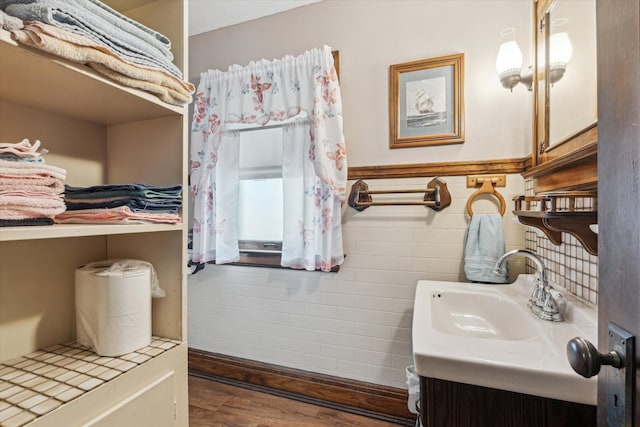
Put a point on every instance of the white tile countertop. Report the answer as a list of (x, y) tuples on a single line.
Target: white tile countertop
[(37, 383)]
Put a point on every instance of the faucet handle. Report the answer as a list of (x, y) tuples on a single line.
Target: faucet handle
[(555, 294), (537, 298), (550, 308)]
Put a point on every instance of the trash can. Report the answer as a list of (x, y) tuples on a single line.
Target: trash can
[(413, 386), (113, 306)]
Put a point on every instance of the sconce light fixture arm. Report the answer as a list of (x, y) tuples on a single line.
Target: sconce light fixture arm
[(510, 79)]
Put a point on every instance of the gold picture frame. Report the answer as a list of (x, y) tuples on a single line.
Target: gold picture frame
[(426, 102)]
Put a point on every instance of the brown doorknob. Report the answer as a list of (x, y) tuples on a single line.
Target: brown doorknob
[(585, 359)]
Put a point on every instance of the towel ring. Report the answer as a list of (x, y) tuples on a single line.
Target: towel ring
[(487, 188)]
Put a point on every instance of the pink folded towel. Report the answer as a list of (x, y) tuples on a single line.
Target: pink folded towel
[(17, 207), (16, 202), (22, 149), (33, 193), (117, 215), (26, 212), (40, 184), (12, 169)]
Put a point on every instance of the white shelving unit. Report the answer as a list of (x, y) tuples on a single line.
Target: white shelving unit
[(101, 133)]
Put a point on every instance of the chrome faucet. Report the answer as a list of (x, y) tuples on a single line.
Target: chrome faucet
[(541, 303)]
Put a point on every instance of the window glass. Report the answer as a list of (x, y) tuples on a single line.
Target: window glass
[(260, 209), (260, 203), (260, 199)]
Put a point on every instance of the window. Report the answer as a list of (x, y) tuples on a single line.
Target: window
[(260, 200), (309, 177)]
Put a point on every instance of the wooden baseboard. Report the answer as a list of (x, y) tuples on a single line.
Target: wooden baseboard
[(373, 400)]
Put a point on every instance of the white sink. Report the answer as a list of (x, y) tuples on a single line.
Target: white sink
[(478, 314), (485, 335)]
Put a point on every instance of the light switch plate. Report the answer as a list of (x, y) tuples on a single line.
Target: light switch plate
[(619, 381)]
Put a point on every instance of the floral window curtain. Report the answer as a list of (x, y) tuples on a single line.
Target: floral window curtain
[(314, 157)]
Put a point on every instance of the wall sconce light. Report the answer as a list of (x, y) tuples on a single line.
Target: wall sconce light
[(509, 62), (560, 50)]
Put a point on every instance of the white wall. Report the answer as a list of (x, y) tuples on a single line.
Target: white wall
[(357, 323), (371, 35)]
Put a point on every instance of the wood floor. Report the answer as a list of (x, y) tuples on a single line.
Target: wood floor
[(215, 404)]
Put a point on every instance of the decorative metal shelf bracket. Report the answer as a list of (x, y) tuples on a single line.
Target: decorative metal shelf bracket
[(436, 196)]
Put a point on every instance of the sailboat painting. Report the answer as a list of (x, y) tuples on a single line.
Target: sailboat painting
[(426, 102)]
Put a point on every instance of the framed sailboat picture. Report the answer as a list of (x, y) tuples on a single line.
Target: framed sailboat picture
[(426, 102)]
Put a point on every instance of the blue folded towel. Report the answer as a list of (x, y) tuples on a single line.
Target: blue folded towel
[(483, 245), (123, 190), (114, 17)]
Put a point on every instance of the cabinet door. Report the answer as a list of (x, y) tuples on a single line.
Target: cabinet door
[(451, 404), (152, 406)]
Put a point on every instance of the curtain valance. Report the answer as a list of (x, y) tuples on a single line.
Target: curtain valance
[(260, 93)]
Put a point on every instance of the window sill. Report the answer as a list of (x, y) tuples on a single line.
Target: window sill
[(268, 260), (264, 259)]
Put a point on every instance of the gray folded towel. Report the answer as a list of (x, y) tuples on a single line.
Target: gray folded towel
[(116, 17), (110, 30), (484, 244), (113, 17)]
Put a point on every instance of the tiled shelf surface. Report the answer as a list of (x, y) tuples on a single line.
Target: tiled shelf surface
[(36, 384)]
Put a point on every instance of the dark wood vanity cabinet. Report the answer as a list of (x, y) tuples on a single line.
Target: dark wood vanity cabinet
[(451, 404)]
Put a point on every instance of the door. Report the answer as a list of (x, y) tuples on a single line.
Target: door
[(618, 33)]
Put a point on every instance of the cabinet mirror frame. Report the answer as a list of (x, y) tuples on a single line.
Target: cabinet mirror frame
[(569, 164)]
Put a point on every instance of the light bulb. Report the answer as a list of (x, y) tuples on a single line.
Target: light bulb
[(560, 49), (509, 59), (509, 56)]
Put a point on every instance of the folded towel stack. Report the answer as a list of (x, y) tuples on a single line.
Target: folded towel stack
[(89, 32), (122, 203), (30, 190)]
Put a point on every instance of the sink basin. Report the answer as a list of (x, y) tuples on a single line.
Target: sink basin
[(478, 314), (485, 335)]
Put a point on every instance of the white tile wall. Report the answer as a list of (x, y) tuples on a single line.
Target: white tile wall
[(355, 323)]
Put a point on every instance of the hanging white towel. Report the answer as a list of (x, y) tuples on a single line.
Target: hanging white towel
[(483, 245)]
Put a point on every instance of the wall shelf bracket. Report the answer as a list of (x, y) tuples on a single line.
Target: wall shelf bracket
[(554, 236), (558, 212)]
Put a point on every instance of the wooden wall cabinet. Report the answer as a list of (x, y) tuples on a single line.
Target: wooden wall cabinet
[(568, 163), (564, 159), (101, 133)]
